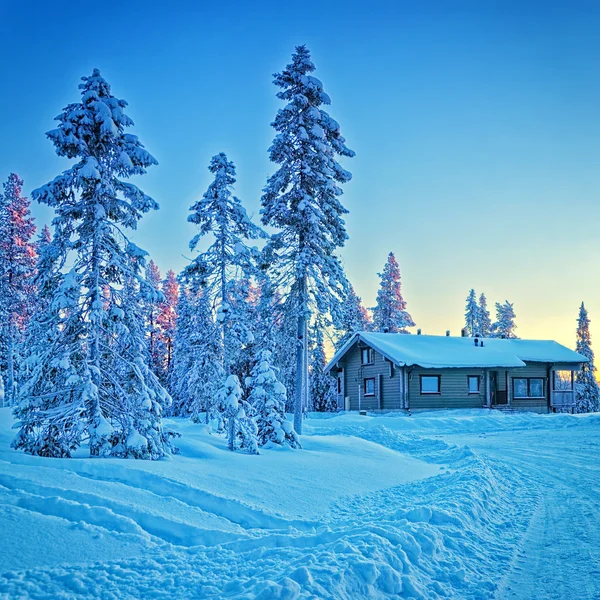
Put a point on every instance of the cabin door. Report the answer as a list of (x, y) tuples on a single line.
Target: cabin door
[(494, 387), (340, 390)]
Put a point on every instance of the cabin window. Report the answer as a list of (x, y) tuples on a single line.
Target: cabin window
[(367, 357), (473, 381), (370, 386), (532, 387), (339, 385), (563, 381), (430, 384)]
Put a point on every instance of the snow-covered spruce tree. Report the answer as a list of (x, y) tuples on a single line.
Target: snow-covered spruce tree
[(504, 327), (229, 257), (197, 370), (390, 313), (322, 385), (472, 314), (140, 434), (167, 320), (484, 322), (43, 239), (267, 398), (243, 298), (89, 372), (151, 311), (355, 317), (268, 314), (241, 428), (17, 269), (587, 394), (301, 199)]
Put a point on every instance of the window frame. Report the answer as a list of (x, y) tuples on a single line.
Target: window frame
[(571, 389), (529, 380), (478, 392), (370, 355), (365, 393), (439, 385)]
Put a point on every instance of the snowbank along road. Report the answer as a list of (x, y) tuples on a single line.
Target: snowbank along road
[(467, 504)]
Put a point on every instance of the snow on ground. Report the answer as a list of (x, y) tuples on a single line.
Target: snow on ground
[(462, 504)]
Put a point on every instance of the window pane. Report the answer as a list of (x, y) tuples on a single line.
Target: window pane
[(430, 385), (473, 385), (369, 386), (563, 381), (520, 388), (536, 388), (367, 356)]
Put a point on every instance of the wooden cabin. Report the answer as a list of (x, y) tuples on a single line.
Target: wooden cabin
[(395, 371)]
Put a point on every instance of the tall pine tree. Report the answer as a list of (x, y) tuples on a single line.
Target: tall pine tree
[(484, 320), (472, 314), (167, 320), (505, 326), (18, 258), (355, 317), (151, 312), (301, 199), (587, 394), (390, 313), (89, 366), (197, 370), (229, 257)]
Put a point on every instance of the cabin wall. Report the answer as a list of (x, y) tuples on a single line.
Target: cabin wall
[(387, 381), (529, 370), (454, 389)]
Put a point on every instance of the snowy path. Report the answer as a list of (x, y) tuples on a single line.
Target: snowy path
[(466, 505), (559, 556)]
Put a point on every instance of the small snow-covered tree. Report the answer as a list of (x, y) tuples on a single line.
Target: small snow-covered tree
[(587, 393), (323, 391), (241, 428), (17, 269), (44, 238), (88, 361), (197, 369), (472, 314), (484, 322), (167, 319), (267, 398), (301, 200), (355, 317), (390, 313), (505, 326), (229, 257)]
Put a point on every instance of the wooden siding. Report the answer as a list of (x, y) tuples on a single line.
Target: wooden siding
[(454, 389), (538, 370), (387, 381)]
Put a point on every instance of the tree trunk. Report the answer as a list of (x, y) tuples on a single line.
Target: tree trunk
[(9, 393), (300, 398), (94, 410)]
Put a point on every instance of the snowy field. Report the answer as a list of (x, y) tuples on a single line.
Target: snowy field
[(469, 504)]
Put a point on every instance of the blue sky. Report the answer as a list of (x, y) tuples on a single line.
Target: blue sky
[(475, 125)]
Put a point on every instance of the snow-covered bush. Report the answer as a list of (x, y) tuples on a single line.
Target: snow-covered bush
[(267, 398), (241, 428)]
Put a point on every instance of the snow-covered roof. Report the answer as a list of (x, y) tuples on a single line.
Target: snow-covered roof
[(436, 352)]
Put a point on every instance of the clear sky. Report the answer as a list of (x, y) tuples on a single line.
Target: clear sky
[(476, 127)]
